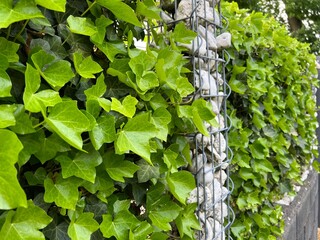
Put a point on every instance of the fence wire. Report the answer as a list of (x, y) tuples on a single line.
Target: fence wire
[(211, 154)]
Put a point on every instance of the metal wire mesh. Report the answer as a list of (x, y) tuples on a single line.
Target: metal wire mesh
[(211, 154)]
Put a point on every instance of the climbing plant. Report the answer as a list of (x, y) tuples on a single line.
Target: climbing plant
[(92, 129), (272, 108)]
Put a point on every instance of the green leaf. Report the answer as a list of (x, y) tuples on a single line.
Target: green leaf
[(147, 171), (24, 124), (82, 165), (237, 228), (148, 9), (57, 231), (56, 72), (83, 227), (127, 107), (111, 49), (56, 5), (81, 25), (68, 122), (121, 10), (86, 67), (181, 184), (182, 34), (162, 210), (63, 192), (11, 193), (25, 223), (9, 49), (5, 84), (104, 131), (118, 168), (36, 178), (7, 115), (118, 226), (187, 221), (141, 232), (135, 136), (37, 102), (22, 10), (161, 119)]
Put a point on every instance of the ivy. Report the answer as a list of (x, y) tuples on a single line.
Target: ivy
[(92, 129), (273, 116)]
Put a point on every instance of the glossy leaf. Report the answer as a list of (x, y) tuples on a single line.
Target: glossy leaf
[(56, 5), (68, 122), (80, 25), (86, 67), (7, 116), (161, 119), (5, 84), (83, 227), (187, 221), (127, 107), (135, 136), (146, 171)]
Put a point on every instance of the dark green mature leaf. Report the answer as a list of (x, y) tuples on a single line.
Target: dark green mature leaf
[(83, 227), (187, 221), (9, 50), (22, 223), (24, 124), (86, 67), (64, 192), (56, 5), (68, 122), (56, 72), (82, 165), (37, 178), (135, 136), (22, 10), (7, 115), (181, 184), (147, 171), (5, 84), (121, 10), (127, 107), (11, 193), (57, 231), (118, 168)]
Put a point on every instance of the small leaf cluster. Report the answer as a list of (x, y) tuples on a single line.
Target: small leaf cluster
[(92, 129), (273, 116)]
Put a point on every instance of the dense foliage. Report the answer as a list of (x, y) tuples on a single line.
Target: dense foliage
[(92, 138), (273, 114)]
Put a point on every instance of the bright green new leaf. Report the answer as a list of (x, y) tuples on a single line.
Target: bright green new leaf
[(121, 10), (182, 34), (118, 168), (9, 49), (101, 23), (56, 72), (11, 193), (5, 84), (83, 165), (24, 124), (127, 107), (135, 136), (56, 5), (7, 115), (68, 122), (111, 49), (181, 184), (81, 25), (22, 10), (63, 192), (25, 223), (148, 9), (147, 171), (187, 221), (104, 131), (118, 226), (97, 90), (86, 67), (83, 227), (141, 232)]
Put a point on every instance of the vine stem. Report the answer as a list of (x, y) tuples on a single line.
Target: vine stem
[(39, 124), (88, 9), (19, 33), (9, 31)]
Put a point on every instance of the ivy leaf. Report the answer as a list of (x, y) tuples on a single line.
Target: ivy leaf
[(181, 184), (187, 221), (111, 49), (24, 124), (64, 192), (141, 232), (22, 10), (56, 5), (68, 122), (11, 193), (80, 25), (118, 226), (57, 231), (36, 178), (161, 118), (148, 9), (9, 49), (127, 107), (7, 115), (83, 165), (37, 102), (161, 209), (86, 67), (83, 227), (182, 34), (56, 72), (121, 10), (118, 168), (135, 136), (104, 131), (22, 223), (147, 171), (5, 83)]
